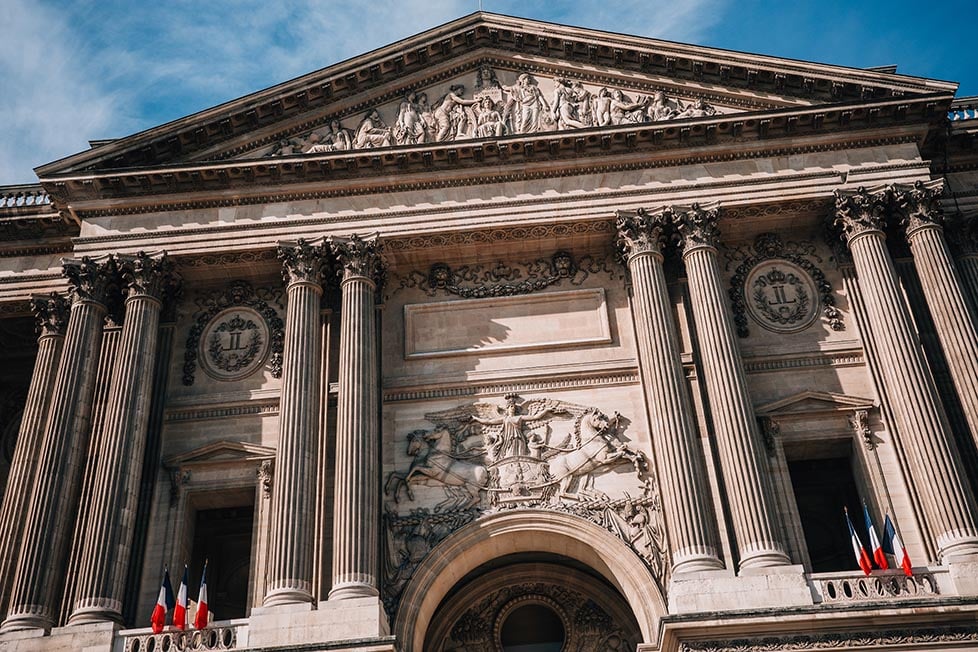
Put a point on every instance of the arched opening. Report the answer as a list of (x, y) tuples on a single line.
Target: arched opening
[(529, 556), (532, 627)]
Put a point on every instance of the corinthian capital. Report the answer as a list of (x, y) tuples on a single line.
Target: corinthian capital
[(359, 257), (302, 261), (50, 313), (919, 205), (90, 279), (696, 226), (859, 211), (639, 232), (149, 275)]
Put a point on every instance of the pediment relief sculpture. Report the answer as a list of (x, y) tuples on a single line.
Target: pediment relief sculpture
[(500, 103), (483, 458)]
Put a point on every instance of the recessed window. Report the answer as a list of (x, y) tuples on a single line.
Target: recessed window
[(532, 628), (823, 487)]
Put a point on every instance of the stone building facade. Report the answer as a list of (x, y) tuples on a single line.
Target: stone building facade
[(508, 336)]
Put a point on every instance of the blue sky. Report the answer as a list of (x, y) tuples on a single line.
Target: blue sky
[(90, 69)]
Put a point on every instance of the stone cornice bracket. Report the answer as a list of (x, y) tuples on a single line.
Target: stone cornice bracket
[(919, 205), (639, 233), (860, 211), (50, 313), (304, 261), (266, 477), (149, 275), (90, 279), (695, 226), (359, 257)]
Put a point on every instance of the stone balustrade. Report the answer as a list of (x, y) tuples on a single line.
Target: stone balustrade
[(852, 587), (227, 635)]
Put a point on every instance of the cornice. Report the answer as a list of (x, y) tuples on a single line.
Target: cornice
[(520, 38), (726, 138)]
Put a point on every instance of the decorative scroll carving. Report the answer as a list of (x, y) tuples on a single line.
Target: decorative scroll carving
[(770, 247), (151, 275), (179, 478), (639, 233), (840, 640), (266, 477), (587, 626), (238, 294), (539, 453), (493, 110), (90, 279), (302, 261), (859, 422), (356, 256), (919, 205), (860, 211), (502, 280), (51, 313), (771, 431), (695, 226)]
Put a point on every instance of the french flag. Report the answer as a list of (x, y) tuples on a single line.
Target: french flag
[(180, 612), (874, 542), (862, 557), (893, 545), (200, 620), (163, 603)]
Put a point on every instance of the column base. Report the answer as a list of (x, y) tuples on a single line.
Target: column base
[(98, 610), (352, 591), (31, 619), (282, 596), (763, 555), (692, 562), (958, 546)]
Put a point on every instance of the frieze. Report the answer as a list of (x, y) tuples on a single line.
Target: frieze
[(240, 317), (527, 103), (840, 640), (777, 283), (541, 453), (500, 279)]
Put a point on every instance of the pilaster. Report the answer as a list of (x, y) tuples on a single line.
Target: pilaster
[(735, 425), (912, 395), (688, 511)]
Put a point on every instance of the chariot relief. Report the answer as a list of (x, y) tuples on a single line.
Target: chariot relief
[(492, 109), (541, 453)]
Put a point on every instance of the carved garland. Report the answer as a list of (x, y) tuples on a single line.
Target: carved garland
[(768, 246), (502, 280), (836, 640), (239, 293)]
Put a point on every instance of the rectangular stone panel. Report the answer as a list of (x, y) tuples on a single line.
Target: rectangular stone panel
[(535, 321)]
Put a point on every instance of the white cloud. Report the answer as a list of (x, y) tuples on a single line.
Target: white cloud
[(105, 68)]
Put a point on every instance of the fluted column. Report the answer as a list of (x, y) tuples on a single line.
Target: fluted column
[(922, 218), (290, 561), (734, 423), (962, 232), (53, 505), (107, 540), (356, 523), (922, 423), (688, 511), (51, 314)]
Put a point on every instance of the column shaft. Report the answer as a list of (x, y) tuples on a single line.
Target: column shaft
[(53, 505), (735, 425), (689, 514), (52, 315), (107, 540), (948, 503), (357, 501), (290, 561)]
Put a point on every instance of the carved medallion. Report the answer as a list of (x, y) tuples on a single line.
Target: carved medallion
[(781, 296), (234, 344)]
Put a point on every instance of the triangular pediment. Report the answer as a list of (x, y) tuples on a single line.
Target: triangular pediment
[(814, 402), (221, 452), (541, 78)]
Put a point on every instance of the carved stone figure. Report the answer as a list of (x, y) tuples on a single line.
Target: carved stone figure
[(372, 132), (447, 113), (660, 108), (512, 439), (489, 121), (624, 111), (527, 108), (567, 105), (339, 138), (409, 129)]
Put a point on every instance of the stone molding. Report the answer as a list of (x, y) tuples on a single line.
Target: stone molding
[(840, 640)]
